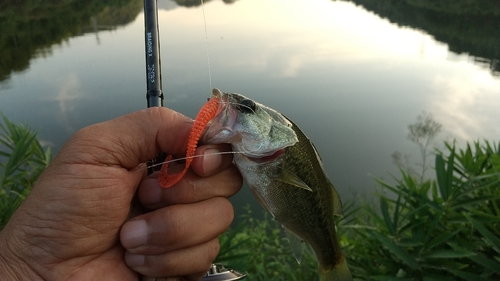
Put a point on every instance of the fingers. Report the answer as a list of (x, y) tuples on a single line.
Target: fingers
[(174, 263), (215, 176), (130, 140), (178, 239), (216, 157), (178, 226), (180, 236), (190, 189)]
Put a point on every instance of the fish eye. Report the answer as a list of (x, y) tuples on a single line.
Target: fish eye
[(247, 106)]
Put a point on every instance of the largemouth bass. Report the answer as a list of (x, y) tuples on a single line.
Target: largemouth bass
[(285, 173)]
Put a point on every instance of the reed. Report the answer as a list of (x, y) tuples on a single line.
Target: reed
[(22, 159)]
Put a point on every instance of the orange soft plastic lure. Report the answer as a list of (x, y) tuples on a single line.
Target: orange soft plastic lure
[(206, 113)]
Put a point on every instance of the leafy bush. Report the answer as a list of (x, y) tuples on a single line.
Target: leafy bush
[(443, 229), (22, 159)]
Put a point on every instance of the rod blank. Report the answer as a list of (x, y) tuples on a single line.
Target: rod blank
[(154, 94)]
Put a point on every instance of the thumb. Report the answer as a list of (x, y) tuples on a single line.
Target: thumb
[(129, 140)]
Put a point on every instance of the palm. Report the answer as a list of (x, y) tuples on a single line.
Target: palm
[(89, 213), (107, 266)]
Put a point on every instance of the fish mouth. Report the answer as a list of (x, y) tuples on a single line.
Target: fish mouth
[(220, 128), (268, 158), (253, 130)]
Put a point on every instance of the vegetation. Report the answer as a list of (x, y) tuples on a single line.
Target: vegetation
[(22, 159), (443, 229), (422, 133), (190, 3), (447, 228), (459, 6), (258, 248)]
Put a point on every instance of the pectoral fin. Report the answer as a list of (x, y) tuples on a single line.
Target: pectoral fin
[(296, 243), (292, 179)]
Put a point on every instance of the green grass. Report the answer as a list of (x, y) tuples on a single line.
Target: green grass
[(22, 159)]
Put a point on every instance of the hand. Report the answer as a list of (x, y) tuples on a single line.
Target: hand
[(71, 224)]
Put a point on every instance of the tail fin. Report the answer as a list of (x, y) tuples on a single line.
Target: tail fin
[(339, 273)]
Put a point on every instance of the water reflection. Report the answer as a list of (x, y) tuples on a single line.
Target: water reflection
[(469, 105), (469, 27), (472, 28), (351, 80), (29, 30)]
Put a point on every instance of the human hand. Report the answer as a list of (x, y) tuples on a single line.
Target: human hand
[(68, 228)]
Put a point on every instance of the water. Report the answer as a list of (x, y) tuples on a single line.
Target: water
[(351, 79)]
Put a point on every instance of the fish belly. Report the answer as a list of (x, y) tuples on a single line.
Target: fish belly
[(302, 212)]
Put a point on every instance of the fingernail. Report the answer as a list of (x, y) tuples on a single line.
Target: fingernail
[(211, 159), (134, 234), (133, 260)]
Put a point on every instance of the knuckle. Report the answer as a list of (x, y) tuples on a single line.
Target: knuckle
[(226, 210), (172, 222), (213, 248)]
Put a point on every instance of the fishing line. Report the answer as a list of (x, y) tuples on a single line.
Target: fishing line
[(239, 105), (194, 156), (206, 44)]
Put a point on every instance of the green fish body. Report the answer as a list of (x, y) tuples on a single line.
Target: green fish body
[(285, 173)]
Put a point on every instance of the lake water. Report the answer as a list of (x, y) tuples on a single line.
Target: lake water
[(350, 76)]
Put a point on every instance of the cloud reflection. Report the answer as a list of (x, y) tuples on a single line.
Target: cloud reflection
[(467, 105), (69, 92)]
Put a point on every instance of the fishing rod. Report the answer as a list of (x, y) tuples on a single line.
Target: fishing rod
[(154, 96), (153, 60)]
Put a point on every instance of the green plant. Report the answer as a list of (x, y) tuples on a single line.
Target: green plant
[(259, 248), (22, 159), (422, 133), (443, 229)]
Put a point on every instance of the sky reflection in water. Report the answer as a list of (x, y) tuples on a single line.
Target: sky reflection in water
[(350, 80)]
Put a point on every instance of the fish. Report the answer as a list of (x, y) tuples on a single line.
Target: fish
[(285, 173)]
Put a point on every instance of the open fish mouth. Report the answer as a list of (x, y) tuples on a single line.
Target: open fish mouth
[(268, 158)]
